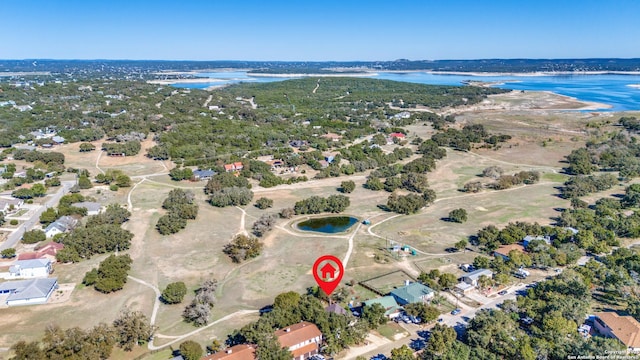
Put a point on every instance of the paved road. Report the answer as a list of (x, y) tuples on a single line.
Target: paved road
[(53, 200)]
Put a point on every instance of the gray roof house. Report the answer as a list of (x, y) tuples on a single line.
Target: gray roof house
[(392, 309), (63, 224), (412, 293), (93, 208), (58, 139), (472, 277), (28, 292), (30, 268), (203, 174)]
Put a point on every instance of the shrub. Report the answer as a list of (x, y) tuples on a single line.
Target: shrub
[(264, 203), (174, 293), (33, 236), (13, 222)]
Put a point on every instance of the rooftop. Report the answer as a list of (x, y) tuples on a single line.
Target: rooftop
[(476, 274), (297, 333), (28, 289), (89, 205), (504, 250), (413, 292), (625, 328), (237, 352), (387, 302)]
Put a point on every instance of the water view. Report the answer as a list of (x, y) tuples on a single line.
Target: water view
[(614, 90), (328, 225)]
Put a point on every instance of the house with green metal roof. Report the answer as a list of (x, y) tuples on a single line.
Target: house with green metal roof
[(412, 293), (388, 303)]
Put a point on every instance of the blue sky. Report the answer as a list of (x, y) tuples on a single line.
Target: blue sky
[(318, 30)]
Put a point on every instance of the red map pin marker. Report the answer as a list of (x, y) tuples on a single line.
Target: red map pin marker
[(328, 271)]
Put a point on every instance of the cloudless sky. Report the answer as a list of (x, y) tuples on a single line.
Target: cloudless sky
[(318, 30)]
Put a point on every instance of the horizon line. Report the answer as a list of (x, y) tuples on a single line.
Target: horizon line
[(322, 61)]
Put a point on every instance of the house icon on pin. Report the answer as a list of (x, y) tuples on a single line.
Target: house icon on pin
[(328, 272)]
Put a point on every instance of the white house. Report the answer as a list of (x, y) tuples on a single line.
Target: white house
[(62, 225), (30, 268), (28, 292), (472, 277)]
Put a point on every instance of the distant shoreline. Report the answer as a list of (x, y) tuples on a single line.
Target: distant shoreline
[(336, 74)]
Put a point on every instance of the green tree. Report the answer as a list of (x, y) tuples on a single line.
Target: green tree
[(33, 236), (191, 350), (264, 203), (462, 244), (84, 182), (174, 293), (374, 184), (457, 215), (402, 353), (441, 339), (426, 312), (132, 328), (374, 315), (84, 147), (243, 247), (347, 186), (8, 253), (447, 281)]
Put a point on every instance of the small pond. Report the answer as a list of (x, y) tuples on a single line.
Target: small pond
[(328, 225)]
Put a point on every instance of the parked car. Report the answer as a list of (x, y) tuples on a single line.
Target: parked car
[(440, 320), (456, 312), (379, 357), (503, 292), (417, 320)]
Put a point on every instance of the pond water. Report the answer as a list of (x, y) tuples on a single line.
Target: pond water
[(328, 225)]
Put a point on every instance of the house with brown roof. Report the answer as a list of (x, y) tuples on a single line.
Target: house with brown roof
[(302, 339), (624, 328), (236, 166), (237, 352), (48, 251), (504, 250)]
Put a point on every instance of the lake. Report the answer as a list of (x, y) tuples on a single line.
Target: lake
[(612, 90), (328, 225)]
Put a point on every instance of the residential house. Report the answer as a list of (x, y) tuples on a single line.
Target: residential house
[(412, 293), (469, 281), (389, 303), (6, 204), (93, 208), (62, 225), (324, 164), (201, 175), (237, 352), (336, 309), (402, 115), (302, 339), (504, 250), (57, 139), (236, 166), (30, 268), (624, 328), (28, 292), (529, 238), (48, 251)]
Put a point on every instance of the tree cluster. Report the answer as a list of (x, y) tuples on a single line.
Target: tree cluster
[(243, 247), (174, 293), (114, 176), (199, 310), (410, 203), (180, 207), (264, 224), (111, 274), (318, 204), (230, 196), (128, 148)]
